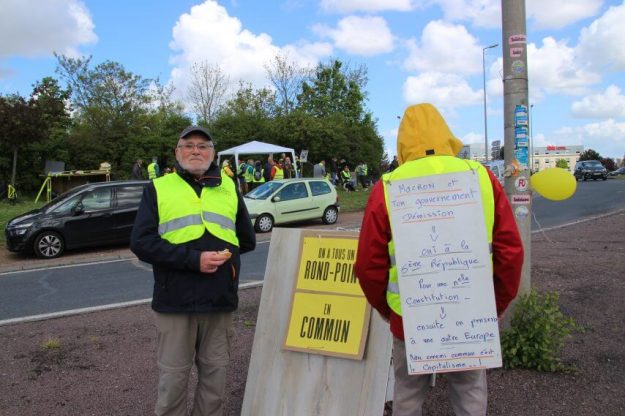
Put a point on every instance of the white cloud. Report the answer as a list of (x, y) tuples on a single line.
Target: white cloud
[(446, 91), (555, 68), (609, 104), (360, 35), (208, 34), (606, 137), (556, 14), (445, 47), (38, 28), (483, 13), (601, 44), (350, 6)]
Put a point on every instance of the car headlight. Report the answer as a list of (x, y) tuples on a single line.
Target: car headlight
[(20, 229)]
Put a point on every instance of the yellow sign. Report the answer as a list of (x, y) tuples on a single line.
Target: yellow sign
[(327, 324), (327, 265), (329, 313)]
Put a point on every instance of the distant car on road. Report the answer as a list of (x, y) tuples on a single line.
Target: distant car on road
[(619, 171), (290, 200), (94, 214), (590, 169)]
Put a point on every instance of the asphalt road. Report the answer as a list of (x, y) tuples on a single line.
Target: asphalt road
[(63, 288)]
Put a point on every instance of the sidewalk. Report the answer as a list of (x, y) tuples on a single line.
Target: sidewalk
[(104, 363)]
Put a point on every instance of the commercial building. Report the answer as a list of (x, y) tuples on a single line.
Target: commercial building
[(547, 156)]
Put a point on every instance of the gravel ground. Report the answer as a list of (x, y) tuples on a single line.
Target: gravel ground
[(103, 363)]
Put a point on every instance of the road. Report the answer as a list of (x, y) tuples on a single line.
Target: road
[(44, 291)]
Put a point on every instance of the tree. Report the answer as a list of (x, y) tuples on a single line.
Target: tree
[(287, 78), (28, 122), (334, 90), (608, 163), (562, 163), (589, 155), (208, 88)]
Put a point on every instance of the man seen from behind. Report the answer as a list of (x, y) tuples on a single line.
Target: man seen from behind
[(192, 226), (426, 147)]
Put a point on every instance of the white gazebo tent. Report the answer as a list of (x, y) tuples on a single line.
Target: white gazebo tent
[(256, 148)]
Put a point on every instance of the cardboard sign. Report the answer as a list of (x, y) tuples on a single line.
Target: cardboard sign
[(445, 273), (329, 312)]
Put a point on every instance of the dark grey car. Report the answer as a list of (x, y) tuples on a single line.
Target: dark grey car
[(94, 214)]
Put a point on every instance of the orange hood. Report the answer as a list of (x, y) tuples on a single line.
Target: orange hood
[(424, 132)]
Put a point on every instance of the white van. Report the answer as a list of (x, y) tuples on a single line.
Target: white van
[(496, 166)]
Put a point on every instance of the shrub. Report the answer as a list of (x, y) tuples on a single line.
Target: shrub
[(537, 333)]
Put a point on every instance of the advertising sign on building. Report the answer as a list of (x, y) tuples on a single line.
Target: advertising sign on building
[(445, 273)]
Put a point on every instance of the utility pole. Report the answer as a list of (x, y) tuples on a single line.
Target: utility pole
[(516, 126)]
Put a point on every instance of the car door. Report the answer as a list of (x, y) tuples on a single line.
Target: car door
[(92, 222), (294, 203), (126, 203)]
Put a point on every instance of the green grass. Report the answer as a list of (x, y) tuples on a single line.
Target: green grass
[(352, 201), (8, 211)]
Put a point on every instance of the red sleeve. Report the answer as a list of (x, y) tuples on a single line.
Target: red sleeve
[(507, 249), (372, 260), (273, 172)]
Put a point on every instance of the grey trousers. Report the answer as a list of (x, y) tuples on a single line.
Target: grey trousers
[(467, 389), (183, 339)]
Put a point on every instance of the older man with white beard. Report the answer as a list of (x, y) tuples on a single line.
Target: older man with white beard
[(192, 226)]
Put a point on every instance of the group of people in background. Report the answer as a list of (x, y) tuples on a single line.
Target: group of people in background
[(253, 173), (340, 174), (153, 170)]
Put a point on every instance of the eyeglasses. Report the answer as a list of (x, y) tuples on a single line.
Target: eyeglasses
[(202, 147)]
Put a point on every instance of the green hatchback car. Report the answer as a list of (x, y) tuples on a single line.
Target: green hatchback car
[(290, 200)]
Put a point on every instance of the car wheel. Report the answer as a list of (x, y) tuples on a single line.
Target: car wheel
[(330, 215), (48, 245), (264, 223), (605, 178)]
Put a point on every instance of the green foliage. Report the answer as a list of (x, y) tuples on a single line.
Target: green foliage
[(589, 155), (608, 163), (352, 201), (537, 333), (51, 344), (562, 163)]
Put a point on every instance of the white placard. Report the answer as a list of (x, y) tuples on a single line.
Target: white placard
[(445, 273)]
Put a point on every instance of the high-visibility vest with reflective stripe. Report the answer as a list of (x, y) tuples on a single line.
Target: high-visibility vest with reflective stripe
[(279, 174), (249, 173), (262, 177), (152, 170), (183, 216), (428, 166)]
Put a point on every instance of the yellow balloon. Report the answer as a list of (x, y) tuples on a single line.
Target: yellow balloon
[(554, 183)]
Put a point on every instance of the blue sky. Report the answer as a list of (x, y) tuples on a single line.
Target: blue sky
[(415, 51)]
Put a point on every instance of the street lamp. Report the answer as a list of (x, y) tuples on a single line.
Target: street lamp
[(484, 79)]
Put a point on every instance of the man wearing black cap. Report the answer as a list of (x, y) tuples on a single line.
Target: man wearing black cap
[(192, 226)]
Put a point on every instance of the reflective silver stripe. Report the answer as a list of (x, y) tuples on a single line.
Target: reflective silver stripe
[(490, 248), (393, 263), (223, 222), (393, 287), (179, 223)]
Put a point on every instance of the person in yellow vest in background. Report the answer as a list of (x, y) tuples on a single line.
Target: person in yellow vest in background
[(153, 169), (225, 168), (277, 171), (192, 226), (258, 177), (426, 147)]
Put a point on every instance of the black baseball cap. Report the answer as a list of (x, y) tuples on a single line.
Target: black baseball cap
[(197, 130)]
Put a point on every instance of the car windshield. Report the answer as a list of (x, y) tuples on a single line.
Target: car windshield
[(263, 191), (592, 164), (62, 199)]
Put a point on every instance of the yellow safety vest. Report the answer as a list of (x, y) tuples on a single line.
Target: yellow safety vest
[(279, 174), (183, 216), (152, 170), (262, 176), (428, 166)]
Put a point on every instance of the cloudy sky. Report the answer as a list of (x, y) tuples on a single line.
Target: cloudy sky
[(415, 51)]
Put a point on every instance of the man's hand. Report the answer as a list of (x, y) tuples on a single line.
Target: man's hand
[(211, 260)]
